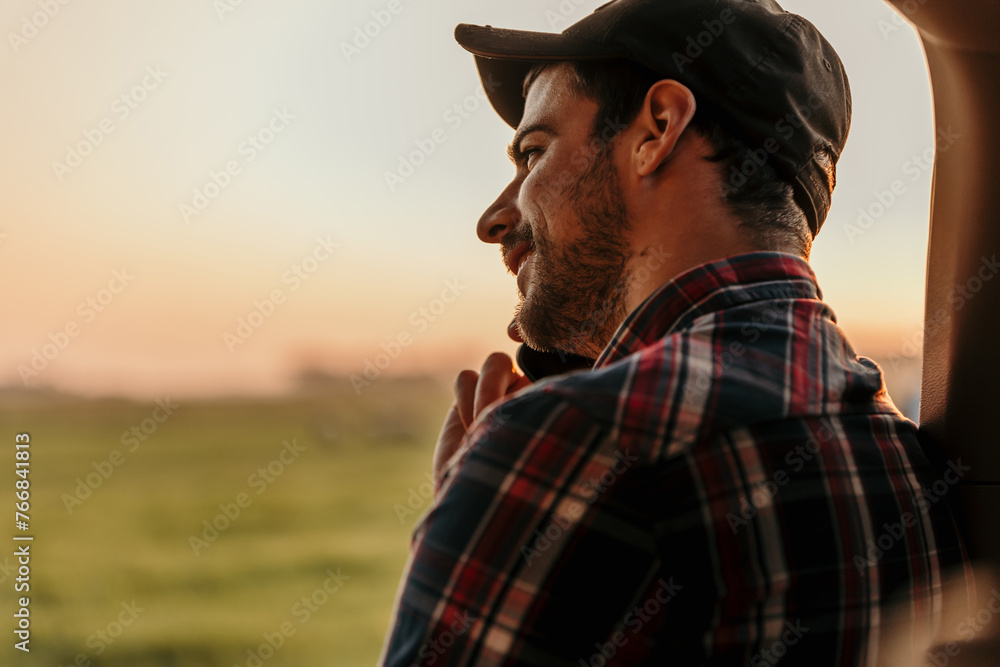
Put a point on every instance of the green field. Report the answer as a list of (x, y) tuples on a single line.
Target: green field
[(328, 510)]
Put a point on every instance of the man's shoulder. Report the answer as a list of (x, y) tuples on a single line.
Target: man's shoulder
[(595, 393), (726, 370), (618, 401), (587, 396), (667, 384), (682, 375)]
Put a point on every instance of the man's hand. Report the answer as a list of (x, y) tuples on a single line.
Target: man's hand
[(474, 392)]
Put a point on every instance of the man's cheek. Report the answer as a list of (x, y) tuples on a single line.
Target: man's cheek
[(566, 179), (583, 159), (535, 195)]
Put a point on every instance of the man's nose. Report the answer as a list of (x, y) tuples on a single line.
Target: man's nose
[(501, 217)]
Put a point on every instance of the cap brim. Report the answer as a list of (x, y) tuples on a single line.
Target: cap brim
[(504, 57)]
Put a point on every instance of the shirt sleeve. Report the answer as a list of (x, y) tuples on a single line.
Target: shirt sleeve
[(502, 566)]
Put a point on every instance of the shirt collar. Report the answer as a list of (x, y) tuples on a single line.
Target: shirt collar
[(708, 288)]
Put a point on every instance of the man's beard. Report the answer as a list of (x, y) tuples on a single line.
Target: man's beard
[(577, 294)]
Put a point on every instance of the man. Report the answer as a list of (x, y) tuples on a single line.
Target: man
[(729, 483)]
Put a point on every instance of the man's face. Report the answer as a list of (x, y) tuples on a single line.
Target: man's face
[(562, 222)]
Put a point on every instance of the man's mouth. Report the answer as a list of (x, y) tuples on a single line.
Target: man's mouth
[(524, 258), (518, 256)]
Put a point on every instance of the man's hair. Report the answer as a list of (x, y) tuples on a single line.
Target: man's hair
[(764, 202)]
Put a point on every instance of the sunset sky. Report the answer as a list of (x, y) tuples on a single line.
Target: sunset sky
[(174, 163)]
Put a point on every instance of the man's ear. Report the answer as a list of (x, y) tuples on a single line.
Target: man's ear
[(665, 114)]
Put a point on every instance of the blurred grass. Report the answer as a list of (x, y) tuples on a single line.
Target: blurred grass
[(331, 509)]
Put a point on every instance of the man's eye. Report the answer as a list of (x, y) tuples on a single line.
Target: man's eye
[(528, 152)]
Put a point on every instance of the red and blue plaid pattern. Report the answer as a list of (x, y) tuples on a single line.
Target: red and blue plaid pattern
[(730, 485)]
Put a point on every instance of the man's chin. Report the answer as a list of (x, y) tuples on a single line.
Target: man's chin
[(539, 334), (532, 332)]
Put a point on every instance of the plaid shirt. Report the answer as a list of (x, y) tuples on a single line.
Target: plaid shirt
[(730, 485)]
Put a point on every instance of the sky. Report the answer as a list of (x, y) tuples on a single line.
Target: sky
[(206, 197)]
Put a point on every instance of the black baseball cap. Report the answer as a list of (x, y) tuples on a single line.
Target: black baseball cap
[(767, 75)]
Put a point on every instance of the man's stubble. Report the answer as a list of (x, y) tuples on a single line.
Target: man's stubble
[(577, 294)]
